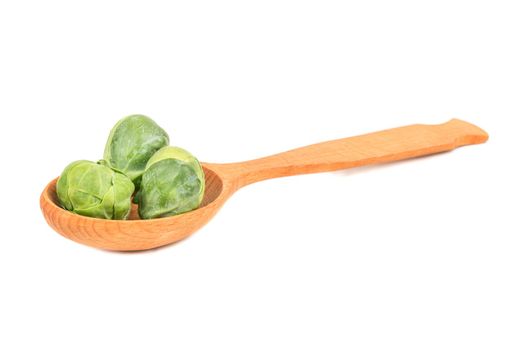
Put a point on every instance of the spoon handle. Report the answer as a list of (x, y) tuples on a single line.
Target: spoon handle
[(378, 147)]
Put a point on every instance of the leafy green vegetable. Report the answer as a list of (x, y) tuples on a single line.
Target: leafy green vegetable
[(132, 141), (94, 190), (173, 183)]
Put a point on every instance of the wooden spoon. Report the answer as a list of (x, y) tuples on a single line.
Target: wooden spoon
[(222, 180)]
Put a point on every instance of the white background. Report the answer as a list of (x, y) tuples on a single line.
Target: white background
[(415, 255)]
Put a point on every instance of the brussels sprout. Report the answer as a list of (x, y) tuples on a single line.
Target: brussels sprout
[(173, 183), (92, 189), (132, 141)]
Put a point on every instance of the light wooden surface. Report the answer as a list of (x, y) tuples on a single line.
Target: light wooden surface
[(222, 180)]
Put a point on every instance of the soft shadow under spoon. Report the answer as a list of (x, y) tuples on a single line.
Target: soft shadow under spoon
[(222, 180)]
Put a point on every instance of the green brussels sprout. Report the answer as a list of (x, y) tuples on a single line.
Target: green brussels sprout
[(132, 141), (173, 183), (91, 189)]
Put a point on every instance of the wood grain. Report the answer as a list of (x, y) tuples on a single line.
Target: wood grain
[(222, 180), (374, 148)]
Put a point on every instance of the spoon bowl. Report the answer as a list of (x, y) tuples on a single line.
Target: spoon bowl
[(222, 180), (134, 233)]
